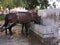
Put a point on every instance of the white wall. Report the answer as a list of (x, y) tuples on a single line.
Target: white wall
[(46, 12), (42, 13)]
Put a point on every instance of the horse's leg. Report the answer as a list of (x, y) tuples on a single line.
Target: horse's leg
[(6, 23), (22, 28), (6, 31), (10, 31), (26, 31), (6, 20)]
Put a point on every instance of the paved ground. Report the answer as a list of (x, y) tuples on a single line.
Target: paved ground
[(18, 38)]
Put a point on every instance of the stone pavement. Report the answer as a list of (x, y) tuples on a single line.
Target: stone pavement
[(19, 39)]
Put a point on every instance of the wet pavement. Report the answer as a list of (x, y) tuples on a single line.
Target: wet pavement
[(19, 39), (5, 40)]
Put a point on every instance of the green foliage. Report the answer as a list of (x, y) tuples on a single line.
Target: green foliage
[(28, 4), (8, 4), (54, 4), (2, 17), (44, 4), (31, 4)]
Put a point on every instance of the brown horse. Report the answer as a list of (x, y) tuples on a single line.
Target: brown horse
[(22, 17)]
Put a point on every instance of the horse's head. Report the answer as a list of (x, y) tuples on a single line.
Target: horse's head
[(37, 19)]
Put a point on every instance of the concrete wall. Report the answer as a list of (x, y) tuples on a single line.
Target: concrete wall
[(47, 12), (49, 27), (50, 13)]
